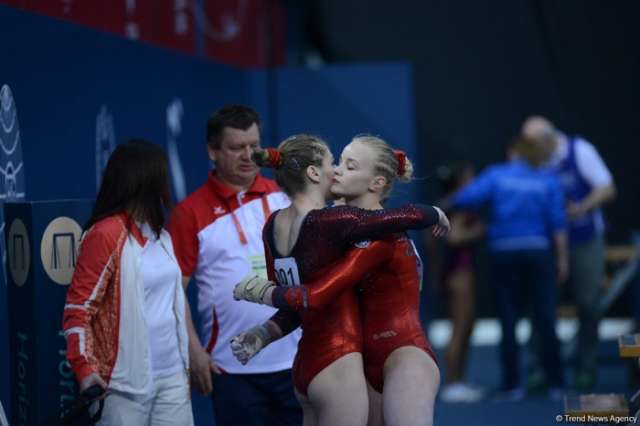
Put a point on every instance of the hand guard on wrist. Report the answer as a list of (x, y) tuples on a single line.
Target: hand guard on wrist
[(246, 345), (252, 289)]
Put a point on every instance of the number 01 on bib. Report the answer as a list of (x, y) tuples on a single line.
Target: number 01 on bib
[(286, 270)]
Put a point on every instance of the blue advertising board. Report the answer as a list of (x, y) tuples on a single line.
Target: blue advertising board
[(42, 241)]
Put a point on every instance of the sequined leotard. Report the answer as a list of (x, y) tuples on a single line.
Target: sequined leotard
[(325, 236), (390, 308), (388, 271)]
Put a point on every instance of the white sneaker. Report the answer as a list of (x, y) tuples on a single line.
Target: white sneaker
[(460, 392)]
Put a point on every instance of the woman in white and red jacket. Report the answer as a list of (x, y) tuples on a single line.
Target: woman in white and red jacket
[(124, 318)]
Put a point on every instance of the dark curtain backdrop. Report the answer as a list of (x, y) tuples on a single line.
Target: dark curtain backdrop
[(481, 67)]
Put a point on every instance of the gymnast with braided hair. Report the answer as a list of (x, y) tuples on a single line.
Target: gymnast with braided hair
[(301, 242), (367, 171)]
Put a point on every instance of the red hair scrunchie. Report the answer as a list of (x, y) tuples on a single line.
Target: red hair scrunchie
[(402, 161), (275, 157)]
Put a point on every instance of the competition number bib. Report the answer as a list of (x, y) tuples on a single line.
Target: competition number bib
[(286, 270)]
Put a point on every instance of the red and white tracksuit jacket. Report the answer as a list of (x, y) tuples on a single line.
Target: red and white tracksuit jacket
[(104, 312)]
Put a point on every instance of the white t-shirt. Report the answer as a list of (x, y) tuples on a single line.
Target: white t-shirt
[(590, 165), (159, 273)]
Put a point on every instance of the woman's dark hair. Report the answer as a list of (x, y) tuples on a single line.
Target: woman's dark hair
[(234, 116), (136, 181)]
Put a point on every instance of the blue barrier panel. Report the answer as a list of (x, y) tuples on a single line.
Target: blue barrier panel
[(42, 241), (12, 188)]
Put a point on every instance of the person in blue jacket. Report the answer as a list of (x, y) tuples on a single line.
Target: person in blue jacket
[(527, 242)]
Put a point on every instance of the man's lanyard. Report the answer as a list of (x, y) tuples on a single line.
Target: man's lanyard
[(236, 221)]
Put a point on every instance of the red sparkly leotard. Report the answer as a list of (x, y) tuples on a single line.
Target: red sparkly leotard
[(325, 236), (390, 308), (388, 271)]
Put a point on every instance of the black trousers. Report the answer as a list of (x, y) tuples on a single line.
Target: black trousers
[(255, 400), (529, 275)]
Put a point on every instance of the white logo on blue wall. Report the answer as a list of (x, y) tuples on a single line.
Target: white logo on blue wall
[(174, 129), (59, 249), (11, 166), (105, 141), (19, 250)]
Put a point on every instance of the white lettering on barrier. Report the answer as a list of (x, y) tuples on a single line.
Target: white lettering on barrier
[(23, 401), (66, 383)]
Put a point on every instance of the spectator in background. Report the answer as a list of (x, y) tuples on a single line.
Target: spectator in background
[(526, 221), (217, 232), (124, 317), (587, 186), (457, 274)]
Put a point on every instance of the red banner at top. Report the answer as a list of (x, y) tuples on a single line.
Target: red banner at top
[(237, 32), (244, 32)]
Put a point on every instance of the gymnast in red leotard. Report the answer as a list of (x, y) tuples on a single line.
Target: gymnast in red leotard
[(399, 363), (300, 242), (387, 271), (396, 351)]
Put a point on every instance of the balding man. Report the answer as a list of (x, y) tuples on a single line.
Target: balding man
[(587, 185)]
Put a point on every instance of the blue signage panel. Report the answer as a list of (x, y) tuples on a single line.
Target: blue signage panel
[(42, 242)]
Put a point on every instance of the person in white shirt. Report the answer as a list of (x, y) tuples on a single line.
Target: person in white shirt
[(588, 185), (217, 234)]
